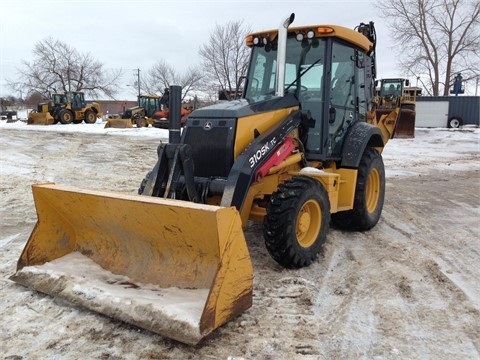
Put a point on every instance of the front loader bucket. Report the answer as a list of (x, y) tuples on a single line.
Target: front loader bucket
[(119, 123), (40, 118), (173, 267), (405, 127)]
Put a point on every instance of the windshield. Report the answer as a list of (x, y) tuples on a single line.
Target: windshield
[(59, 99), (303, 70), (391, 87), (150, 104)]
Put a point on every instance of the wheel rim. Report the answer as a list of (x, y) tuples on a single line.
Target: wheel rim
[(372, 190), (308, 223), (454, 123)]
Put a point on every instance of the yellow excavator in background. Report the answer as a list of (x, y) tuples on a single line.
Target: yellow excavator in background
[(300, 149), (67, 108)]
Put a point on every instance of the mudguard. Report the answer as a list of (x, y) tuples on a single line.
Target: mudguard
[(360, 135)]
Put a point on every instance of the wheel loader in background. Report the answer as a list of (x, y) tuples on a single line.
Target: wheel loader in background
[(391, 96), (67, 108), (300, 149)]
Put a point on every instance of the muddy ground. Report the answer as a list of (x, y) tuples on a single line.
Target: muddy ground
[(407, 289)]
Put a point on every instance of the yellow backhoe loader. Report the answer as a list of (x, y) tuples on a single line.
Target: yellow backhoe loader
[(301, 148), (67, 108), (142, 114)]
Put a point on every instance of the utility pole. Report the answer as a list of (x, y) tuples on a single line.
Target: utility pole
[(138, 81)]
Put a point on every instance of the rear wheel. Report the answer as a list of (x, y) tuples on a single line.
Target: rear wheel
[(90, 117), (65, 116), (454, 123), (297, 221), (369, 195)]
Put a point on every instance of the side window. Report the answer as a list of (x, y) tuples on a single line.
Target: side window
[(259, 74), (262, 80), (342, 96), (361, 87), (342, 81)]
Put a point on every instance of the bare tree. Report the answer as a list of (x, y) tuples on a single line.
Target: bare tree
[(162, 75), (57, 67), (436, 38), (225, 56), (33, 99)]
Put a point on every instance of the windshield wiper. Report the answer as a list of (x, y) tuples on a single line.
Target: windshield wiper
[(303, 73)]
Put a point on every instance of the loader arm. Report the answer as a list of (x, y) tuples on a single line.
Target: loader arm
[(255, 155), (386, 123)]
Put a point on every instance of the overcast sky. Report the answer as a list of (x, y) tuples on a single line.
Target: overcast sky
[(133, 35)]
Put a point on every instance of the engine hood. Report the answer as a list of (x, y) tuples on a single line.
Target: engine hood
[(242, 107)]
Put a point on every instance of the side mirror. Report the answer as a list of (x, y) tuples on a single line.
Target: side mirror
[(407, 82)]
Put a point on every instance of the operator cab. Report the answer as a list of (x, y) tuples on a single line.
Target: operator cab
[(150, 104), (331, 79), (76, 99), (390, 92)]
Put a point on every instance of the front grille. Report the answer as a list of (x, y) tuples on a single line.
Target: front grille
[(213, 148)]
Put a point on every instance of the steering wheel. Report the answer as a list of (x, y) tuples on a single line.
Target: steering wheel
[(302, 87)]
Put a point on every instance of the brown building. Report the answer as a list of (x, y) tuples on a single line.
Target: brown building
[(110, 107)]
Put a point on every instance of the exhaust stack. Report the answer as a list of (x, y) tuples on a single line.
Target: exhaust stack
[(282, 54)]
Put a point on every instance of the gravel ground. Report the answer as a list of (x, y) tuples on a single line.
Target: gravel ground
[(407, 289)]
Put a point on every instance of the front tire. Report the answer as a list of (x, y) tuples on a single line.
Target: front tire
[(369, 195), (141, 122), (297, 222), (65, 116)]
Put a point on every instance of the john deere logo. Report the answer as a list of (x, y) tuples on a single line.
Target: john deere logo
[(208, 125)]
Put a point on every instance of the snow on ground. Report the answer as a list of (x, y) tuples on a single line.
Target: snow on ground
[(97, 128), (403, 156), (407, 289)]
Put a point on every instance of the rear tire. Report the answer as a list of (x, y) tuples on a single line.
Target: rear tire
[(369, 195), (454, 123), (297, 221), (65, 116), (90, 117)]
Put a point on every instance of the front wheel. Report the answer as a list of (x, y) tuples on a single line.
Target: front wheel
[(369, 195), (141, 122), (297, 222), (65, 116)]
